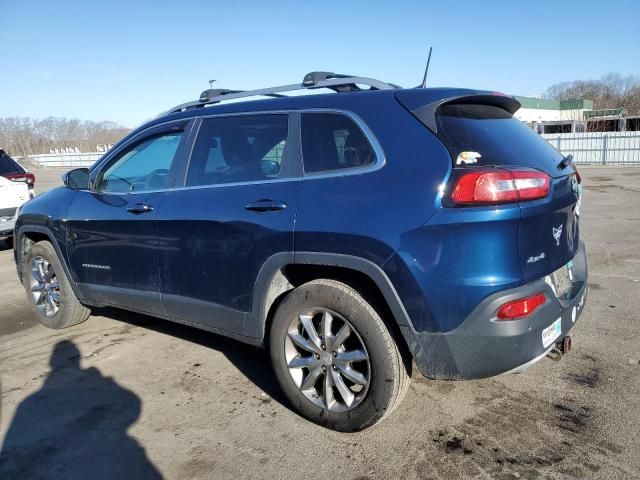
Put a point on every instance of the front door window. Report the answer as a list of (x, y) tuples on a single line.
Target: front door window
[(144, 167)]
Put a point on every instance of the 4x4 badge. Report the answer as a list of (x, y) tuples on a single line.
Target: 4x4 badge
[(556, 234)]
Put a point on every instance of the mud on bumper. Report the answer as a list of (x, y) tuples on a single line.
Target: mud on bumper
[(483, 346)]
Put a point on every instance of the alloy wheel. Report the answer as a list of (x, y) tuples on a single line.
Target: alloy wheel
[(327, 359), (44, 287)]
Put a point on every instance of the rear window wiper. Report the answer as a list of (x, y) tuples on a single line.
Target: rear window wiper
[(565, 162)]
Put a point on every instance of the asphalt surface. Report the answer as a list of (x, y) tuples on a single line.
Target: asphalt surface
[(128, 396)]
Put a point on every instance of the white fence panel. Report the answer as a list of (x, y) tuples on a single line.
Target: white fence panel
[(595, 148)]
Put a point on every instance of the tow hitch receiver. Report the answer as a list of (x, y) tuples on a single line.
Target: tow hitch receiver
[(561, 348)]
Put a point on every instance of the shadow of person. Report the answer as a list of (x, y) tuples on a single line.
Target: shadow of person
[(75, 427)]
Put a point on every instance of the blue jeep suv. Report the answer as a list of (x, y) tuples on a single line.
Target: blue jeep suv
[(353, 234)]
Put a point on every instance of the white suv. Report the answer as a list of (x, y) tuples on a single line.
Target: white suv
[(16, 187)]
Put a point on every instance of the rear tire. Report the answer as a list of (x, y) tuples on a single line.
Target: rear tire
[(49, 292), (361, 391)]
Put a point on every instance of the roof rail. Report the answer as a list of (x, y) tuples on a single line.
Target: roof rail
[(214, 92), (207, 95), (313, 80)]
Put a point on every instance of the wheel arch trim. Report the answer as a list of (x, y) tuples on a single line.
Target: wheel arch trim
[(275, 264), (18, 242)]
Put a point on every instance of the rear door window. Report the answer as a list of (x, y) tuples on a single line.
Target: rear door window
[(332, 141), (487, 135), (246, 148)]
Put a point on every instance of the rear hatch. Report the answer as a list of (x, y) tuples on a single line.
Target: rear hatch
[(481, 134)]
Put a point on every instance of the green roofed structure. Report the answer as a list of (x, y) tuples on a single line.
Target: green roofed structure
[(547, 110), (572, 116)]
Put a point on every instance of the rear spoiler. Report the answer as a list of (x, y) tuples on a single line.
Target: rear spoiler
[(427, 112)]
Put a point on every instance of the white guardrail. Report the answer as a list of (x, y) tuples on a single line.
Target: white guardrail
[(69, 160)]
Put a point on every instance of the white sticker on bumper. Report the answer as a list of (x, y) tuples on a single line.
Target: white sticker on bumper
[(551, 333)]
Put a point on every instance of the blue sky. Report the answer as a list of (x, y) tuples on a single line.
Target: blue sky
[(127, 61)]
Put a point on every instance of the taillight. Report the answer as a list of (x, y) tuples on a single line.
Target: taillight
[(28, 178), (501, 186), (531, 185), (520, 308)]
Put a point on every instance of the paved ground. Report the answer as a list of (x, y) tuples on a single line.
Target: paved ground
[(127, 396), (49, 178)]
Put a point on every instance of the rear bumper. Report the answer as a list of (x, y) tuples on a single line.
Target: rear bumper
[(483, 346)]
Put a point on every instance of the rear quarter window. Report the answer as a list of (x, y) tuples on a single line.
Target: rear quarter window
[(333, 141), (487, 135)]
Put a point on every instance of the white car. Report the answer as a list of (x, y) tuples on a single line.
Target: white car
[(12, 195), (16, 187)]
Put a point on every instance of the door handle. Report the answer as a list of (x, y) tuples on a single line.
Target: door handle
[(266, 206), (140, 208)]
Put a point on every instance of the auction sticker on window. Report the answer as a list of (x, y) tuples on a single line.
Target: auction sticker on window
[(551, 333)]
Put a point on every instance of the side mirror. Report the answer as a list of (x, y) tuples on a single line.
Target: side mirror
[(77, 179)]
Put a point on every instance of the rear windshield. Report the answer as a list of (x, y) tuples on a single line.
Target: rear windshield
[(7, 165), (486, 135)]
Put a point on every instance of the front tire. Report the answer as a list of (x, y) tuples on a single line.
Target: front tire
[(334, 357), (49, 292)]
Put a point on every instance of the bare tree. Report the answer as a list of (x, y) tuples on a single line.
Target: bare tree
[(611, 91), (21, 136)]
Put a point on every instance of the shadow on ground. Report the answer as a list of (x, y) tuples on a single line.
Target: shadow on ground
[(75, 427), (252, 361)]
